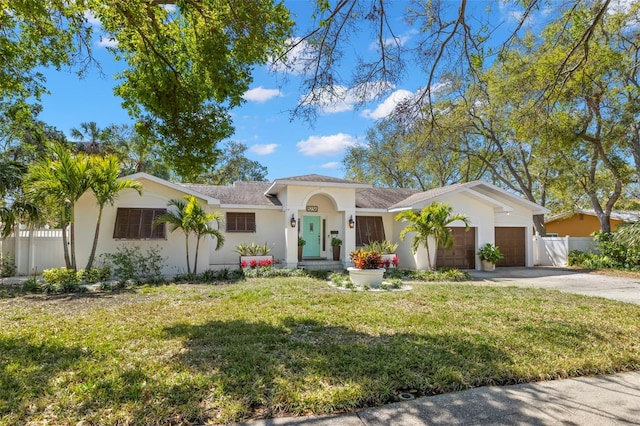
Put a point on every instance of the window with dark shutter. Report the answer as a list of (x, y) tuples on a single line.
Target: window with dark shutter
[(241, 222), (368, 229), (137, 224)]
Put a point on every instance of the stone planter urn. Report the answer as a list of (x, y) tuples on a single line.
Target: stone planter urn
[(368, 277), (488, 266)]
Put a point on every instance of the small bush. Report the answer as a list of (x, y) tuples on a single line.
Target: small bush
[(94, 275), (129, 263), (58, 276), (7, 266), (30, 286)]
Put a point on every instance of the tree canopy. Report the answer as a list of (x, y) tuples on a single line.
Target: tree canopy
[(188, 62)]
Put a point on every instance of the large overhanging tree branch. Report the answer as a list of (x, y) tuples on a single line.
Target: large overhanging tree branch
[(450, 37)]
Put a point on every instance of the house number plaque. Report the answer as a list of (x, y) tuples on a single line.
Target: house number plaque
[(312, 208)]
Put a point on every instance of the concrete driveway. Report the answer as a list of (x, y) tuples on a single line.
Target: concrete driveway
[(567, 280)]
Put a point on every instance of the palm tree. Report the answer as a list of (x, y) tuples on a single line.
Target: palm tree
[(91, 135), (105, 185), (191, 218), (432, 221), (60, 180), (13, 207)]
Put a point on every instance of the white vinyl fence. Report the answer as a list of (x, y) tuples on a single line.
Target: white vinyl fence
[(554, 251), (34, 250)]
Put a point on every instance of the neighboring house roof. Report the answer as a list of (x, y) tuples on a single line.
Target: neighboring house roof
[(264, 194), (622, 215)]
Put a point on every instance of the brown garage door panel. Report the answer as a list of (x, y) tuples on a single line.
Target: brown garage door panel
[(463, 253), (511, 242)]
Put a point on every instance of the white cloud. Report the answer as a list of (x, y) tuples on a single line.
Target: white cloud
[(260, 94), (297, 59), (261, 149), (388, 105), (326, 145), (334, 99), (330, 165), (107, 42), (171, 8), (92, 19), (391, 41)]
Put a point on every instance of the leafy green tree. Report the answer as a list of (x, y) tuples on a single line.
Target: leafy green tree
[(401, 156), (191, 218), (431, 222), (138, 153), (61, 180), (187, 65), (105, 184), (234, 166), (36, 34)]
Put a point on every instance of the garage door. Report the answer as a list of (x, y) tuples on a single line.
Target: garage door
[(463, 253), (512, 245)]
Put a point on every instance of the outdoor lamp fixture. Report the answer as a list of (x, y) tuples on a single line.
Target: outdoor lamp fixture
[(352, 223), (293, 221)]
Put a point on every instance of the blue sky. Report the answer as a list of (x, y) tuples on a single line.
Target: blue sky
[(286, 146)]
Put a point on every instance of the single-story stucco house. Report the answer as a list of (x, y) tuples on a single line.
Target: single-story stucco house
[(316, 208), (584, 222)]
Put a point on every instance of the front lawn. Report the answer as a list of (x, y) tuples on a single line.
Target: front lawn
[(289, 346)]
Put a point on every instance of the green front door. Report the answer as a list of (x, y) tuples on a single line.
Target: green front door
[(311, 234)]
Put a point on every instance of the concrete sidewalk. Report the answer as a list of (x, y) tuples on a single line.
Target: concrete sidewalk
[(601, 401)]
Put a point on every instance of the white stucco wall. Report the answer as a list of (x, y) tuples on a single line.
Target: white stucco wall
[(270, 229), (154, 196)]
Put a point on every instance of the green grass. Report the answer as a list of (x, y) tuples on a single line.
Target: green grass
[(289, 346)]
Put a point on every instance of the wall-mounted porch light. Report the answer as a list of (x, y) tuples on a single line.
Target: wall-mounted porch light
[(352, 223), (293, 221)]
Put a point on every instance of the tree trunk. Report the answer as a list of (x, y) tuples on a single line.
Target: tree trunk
[(73, 240), (186, 245), (94, 246), (65, 242), (538, 224), (429, 265), (195, 261)]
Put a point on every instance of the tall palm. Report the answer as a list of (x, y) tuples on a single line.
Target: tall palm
[(105, 185), (91, 133), (191, 218), (61, 179), (432, 222)]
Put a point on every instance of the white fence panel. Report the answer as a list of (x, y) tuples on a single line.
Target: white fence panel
[(554, 251), (585, 244), (36, 250)]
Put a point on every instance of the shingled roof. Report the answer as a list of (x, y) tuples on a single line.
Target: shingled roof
[(241, 193), (381, 198), (317, 179)]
